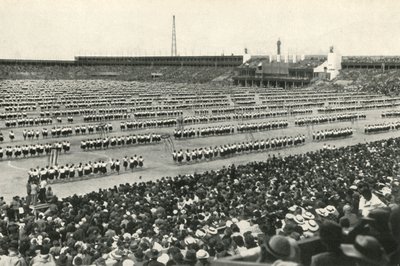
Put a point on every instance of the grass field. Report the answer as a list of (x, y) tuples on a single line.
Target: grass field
[(158, 160)]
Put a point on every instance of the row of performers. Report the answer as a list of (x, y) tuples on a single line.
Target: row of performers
[(120, 141), (332, 133), (84, 169), (235, 148), (33, 149)]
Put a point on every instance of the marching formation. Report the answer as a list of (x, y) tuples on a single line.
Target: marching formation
[(119, 141), (33, 150), (332, 133), (23, 122), (241, 128), (204, 132), (328, 119), (227, 150), (130, 125), (95, 168), (383, 127)]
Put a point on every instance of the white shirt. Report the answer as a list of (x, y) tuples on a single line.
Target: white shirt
[(367, 206)]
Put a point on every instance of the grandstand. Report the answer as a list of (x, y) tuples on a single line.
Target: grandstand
[(266, 72), (192, 69), (371, 62), (184, 170)]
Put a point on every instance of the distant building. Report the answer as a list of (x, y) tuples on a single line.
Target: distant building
[(268, 71), (330, 68)]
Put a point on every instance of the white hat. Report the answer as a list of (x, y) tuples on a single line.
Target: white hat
[(289, 216), (164, 258), (128, 262), (304, 226), (212, 231), (189, 240), (330, 209), (200, 233), (322, 212), (126, 236), (202, 254), (157, 246), (308, 216), (299, 219), (312, 225)]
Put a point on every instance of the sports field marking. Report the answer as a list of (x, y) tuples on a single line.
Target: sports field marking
[(16, 167), (94, 153)]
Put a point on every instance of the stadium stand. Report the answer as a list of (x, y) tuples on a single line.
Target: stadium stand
[(199, 218)]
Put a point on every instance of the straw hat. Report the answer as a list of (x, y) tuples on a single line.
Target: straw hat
[(367, 249)]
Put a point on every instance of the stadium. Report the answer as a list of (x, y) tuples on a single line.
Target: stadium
[(275, 158)]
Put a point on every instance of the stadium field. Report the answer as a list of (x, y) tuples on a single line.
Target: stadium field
[(157, 157)]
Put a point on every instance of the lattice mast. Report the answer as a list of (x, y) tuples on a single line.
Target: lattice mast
[(173, 45)]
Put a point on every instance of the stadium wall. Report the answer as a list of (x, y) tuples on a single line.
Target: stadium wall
[(213, 61)]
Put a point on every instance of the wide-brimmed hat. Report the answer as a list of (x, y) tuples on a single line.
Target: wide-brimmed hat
[(289, 216), (164, 258), (128, 262), (366, 248), (308, 216), (330, 209), (116, 255), (202, 254), (189, 240), (279, 247), (322, 212), (299, 219), (304, 226), (312, 225), (200, 233), (212, 231)]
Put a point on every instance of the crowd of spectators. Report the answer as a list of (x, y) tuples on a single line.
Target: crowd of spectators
[(262, 207), (373, 81)]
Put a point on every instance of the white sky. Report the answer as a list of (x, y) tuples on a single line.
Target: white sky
[(55, 29)]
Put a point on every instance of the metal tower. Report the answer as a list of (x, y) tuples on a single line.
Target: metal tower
[(278, 46), (173, 46)]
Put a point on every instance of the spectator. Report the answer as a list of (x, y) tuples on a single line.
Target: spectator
[(350, 216), (368, 201), (367, 251), (277, 249), (44, 259), (331, 237)]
